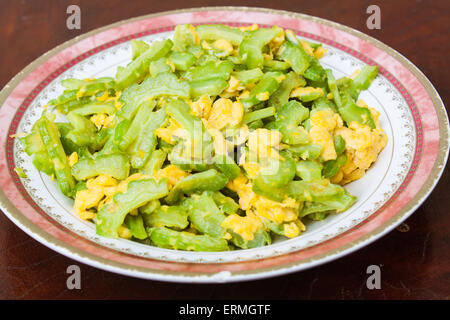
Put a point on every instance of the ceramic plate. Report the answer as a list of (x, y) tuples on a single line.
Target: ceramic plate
[(412, 115)]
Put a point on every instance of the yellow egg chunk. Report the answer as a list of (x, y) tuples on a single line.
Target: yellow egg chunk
[(202, 106), (195, 35), (245, 226), (277, 211), (327, 119), (223, 45), (102, 120), (322, 137), (337, 177), (233, 84), (221, 145), (225, 112), (98, 119), (73, 158), (261, 143), (90, 197), (103, 97), (244, 94), (306, 46), (243, 188), (261, 138), (252, 169), (349, 166), (101, 180), (301, 91), (124, 233), (173, 174), (80, 93), (263, 96), (86, 215), (167, 133), (319, 52), (364, 143), (323, 124), (252, 27), (111, 190), (268, 56), (276, 43), (293, 229)]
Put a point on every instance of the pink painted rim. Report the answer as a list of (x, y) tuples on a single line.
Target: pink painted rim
[(416, 95)]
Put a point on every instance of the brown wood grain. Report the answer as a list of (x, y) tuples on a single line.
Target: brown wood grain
[(414, 264)]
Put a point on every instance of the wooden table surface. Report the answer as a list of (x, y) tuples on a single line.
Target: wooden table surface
[(414, 264)]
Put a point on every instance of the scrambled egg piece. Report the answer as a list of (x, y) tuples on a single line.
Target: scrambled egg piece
[(323, 124), (307, 47), (277, 212), (99, 191), (80, 93), (253, 27), (243, 188), (202, 107), (293, 229), (302, 91), (276, 43), (327, 119), (103, 97), (91, 197), (233, 84), (363, 146), (245, 226), (244, 94), (225, 112), (223, 45), (195, 35), (221, 145), (233, 88), (252, 169), (261, 141), (166, 134), (173, 174), (110, 191), (73, 158), (124, 233), (102, 120), (242, 135), (319, 52)]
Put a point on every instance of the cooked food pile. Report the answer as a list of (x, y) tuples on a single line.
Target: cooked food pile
[(218, 139)]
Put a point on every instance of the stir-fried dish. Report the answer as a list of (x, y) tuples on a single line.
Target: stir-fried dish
[(217, 139)]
